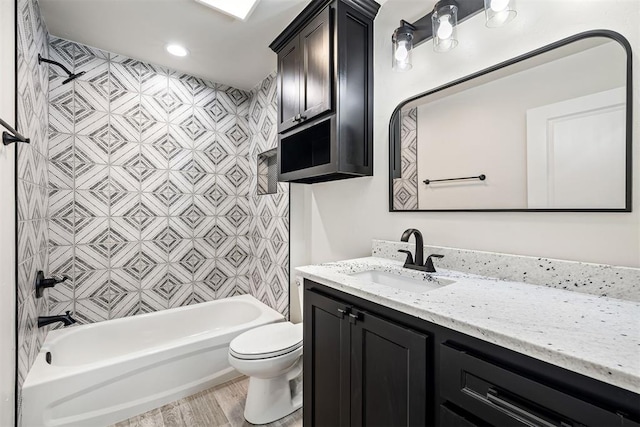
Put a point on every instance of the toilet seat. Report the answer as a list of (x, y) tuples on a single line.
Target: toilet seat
[(267, 341)]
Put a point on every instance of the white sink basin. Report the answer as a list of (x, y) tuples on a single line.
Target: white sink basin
[(401, 282)]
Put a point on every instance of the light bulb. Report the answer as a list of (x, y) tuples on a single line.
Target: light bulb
[(499, 5), (501, 18), (445, 29), (499, 12), (402, 52)]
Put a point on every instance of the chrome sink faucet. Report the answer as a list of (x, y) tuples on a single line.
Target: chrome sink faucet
[(419, 263)]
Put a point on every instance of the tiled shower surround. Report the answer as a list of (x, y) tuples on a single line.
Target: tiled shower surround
[(152, 179), (32, 194), (269, 231)]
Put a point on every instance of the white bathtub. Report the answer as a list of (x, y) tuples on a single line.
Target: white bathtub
[(107, 372)]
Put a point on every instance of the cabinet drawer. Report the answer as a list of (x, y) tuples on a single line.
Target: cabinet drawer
[(505, 398), (450, 418)]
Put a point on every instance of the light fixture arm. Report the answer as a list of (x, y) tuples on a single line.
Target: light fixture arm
[(422, 28), (409, 25)]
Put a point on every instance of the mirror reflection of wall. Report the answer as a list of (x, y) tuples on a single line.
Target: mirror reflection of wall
[(405, 188), (548, 132)]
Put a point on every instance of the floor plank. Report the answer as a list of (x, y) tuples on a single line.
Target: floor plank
[(231, 398), (149, 419), (171, 416), (221, 406), (207, 409), (188, 418)]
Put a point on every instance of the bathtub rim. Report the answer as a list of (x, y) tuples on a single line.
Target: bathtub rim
[(44, 372)]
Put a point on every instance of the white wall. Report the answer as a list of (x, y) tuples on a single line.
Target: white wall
[(300, 242), (346, 215), (7, 218)]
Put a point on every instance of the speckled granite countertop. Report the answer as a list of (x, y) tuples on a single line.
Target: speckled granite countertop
[(595, 336)]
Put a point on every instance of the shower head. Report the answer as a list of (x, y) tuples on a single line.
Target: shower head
[(73, 77)]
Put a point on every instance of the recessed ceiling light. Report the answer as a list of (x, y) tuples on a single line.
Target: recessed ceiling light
[(177, 50), (240, 9)]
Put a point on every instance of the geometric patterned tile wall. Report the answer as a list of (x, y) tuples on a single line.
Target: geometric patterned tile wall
[(405, 189), (140, 184), (32, 198), (269, 234), (150, 182)]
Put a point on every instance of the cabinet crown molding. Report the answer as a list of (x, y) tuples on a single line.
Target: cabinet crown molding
[(368, 8)]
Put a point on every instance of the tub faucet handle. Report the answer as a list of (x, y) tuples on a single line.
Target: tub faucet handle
[(42, 283)]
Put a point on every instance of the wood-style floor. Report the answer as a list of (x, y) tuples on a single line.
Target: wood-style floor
[(220, 406)]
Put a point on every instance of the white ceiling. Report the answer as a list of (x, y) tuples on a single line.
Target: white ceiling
[(222, 49)]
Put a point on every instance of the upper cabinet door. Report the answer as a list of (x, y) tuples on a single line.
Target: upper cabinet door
[(317, 66), (289, 85)]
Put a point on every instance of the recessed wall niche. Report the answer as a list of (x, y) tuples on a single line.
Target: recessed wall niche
[(268, 172)]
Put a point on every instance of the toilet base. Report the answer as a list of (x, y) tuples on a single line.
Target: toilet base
[(269, 400)]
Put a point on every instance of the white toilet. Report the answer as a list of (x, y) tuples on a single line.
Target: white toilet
[(271, 356)]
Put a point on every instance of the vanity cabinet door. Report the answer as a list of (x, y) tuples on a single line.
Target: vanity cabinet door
[(361, 369), (327, 393), (626, 422), (388, 373)]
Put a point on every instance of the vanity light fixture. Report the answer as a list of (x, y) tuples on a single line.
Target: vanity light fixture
[(444, 20), (177, 50), (499, 12), (403, 47), (441, 25)]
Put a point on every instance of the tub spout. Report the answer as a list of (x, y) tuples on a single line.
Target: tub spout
[(64, 318)]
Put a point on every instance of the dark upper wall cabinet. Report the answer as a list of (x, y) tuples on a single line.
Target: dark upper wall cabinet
[(325, 92)]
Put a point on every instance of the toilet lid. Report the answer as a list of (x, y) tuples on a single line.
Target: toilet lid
[(267, 341)]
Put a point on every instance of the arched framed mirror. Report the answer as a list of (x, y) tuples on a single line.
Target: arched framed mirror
[(548, 131)]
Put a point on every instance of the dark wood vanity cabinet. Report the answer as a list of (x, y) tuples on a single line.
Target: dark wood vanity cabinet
[(364, 370), (369, 365), (325, 92)]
